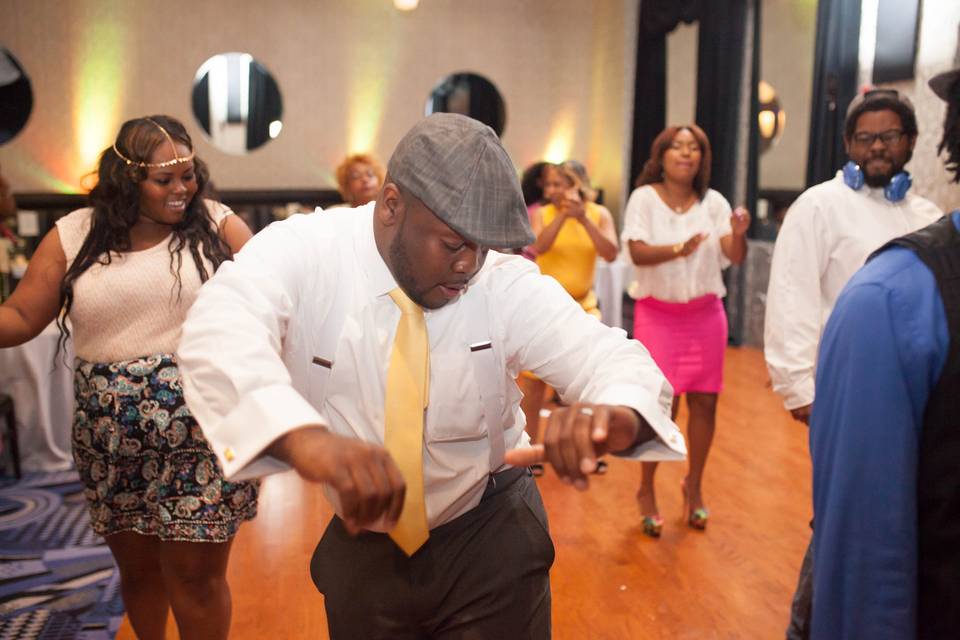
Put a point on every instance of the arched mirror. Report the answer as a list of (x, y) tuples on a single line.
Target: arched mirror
[(472, 95), (237, 102), (16, 96)]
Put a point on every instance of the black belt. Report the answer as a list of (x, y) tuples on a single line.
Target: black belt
[(501, 481)]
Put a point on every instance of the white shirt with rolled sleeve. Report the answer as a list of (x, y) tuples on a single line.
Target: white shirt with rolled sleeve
[(255, 367), (827, 235)]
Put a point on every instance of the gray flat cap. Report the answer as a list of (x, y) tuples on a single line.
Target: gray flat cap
[(457, 167), (942, 83)]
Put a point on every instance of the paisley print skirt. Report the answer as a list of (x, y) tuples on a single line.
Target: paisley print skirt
[(142, 457)]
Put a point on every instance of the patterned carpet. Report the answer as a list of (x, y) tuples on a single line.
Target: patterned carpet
[(57, 578)]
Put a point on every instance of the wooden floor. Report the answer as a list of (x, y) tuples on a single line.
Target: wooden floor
[(609, 581)]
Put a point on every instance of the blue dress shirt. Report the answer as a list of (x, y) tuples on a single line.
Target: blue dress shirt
[(882, 353)]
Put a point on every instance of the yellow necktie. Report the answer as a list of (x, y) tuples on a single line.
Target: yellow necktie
[(406, 400)]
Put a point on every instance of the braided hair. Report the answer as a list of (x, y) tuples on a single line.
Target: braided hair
[(116, 209)]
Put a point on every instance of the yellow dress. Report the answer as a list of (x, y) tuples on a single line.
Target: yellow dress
[(571, 260), (573, 257)]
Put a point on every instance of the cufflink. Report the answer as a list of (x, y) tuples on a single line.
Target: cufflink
[(229, 454)]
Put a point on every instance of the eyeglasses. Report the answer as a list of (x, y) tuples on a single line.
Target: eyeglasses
[(888, 138)]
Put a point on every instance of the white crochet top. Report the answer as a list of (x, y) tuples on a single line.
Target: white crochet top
[(131, 307)]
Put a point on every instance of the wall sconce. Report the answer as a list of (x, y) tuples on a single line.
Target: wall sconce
[(405, 5), (771, 119)]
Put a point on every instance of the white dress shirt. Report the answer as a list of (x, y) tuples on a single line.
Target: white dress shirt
[(826, 236), (250, 342), (649, 219)]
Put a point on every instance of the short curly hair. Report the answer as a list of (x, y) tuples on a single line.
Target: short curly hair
[(343, 170), (881, 100)]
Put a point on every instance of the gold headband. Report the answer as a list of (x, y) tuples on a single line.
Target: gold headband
[(177, 159)]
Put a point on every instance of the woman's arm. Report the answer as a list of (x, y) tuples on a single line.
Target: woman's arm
[(546, 236), (235, 232), (644, 254), (36, 300), (8, 205), (603, 235), (734, 245), (637, 224)]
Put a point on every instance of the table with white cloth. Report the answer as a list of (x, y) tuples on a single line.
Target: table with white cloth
[(40, 381), (609, 282)]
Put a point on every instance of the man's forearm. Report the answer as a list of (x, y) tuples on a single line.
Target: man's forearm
[(645, 433), (291, 445)]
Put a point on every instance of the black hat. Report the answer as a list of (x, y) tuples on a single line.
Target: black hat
[(942, 83)]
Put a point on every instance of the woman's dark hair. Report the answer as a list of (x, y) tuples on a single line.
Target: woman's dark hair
[(951, 133), (531, 183), (116, 208), (653, 168)]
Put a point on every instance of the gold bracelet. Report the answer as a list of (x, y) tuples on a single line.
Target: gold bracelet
[(677, 248)]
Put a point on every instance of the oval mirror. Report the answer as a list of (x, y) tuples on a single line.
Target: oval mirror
[(472, 95), (16, 96), (237, 102)]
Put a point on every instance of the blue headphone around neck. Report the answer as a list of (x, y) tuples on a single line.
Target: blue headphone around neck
[(894, 191)]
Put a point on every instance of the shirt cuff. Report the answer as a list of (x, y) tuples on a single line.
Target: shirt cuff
[(669, 443), (798, 394), (255, 423)]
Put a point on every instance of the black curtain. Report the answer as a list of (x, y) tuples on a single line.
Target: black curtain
[(834, 85), (752, 187), (657, 19), (728, 60), (727, 78)]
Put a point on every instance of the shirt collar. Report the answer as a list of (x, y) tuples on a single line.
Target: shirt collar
[(379, 278)]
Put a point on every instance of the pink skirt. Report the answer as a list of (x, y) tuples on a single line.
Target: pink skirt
[(687, 340)]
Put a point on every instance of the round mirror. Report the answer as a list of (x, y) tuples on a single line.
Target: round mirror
[(16, 97), (237, 102), (472, 95)]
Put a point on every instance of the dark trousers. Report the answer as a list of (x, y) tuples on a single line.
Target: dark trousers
[(484, 574), (802, 606)]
